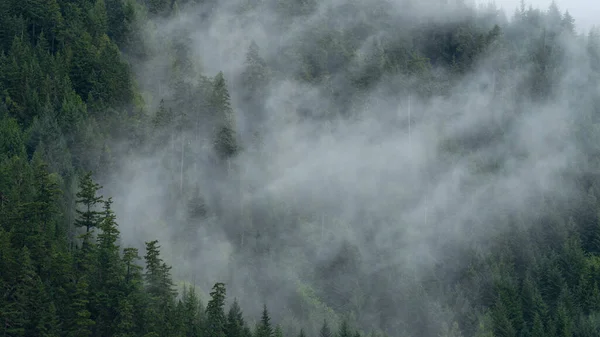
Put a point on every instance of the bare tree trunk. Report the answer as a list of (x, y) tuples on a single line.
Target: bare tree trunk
[(242, 220), (181, 165), (409, 126), (322, 227)]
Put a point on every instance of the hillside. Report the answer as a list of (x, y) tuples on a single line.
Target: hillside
[(272, 168)]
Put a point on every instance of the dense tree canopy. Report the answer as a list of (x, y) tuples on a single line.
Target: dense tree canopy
[(68, 92)]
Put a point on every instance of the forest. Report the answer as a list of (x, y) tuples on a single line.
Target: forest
[(298, 168)]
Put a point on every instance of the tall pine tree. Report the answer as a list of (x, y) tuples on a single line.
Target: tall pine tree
[(215, 312)]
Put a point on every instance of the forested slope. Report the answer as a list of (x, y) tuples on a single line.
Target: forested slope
[(276, 164)]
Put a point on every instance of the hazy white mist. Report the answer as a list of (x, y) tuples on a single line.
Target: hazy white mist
[(400, 194), (585, 12)]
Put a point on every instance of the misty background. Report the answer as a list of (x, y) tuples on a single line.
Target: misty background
[(585, 12), (348, 201)]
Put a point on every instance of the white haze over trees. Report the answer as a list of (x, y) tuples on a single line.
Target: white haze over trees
[(358, 196), (584, 11)]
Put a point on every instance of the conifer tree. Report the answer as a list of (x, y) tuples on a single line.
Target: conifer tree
[(278, 332), (50, 323), (246, 332), (220, 100), (344, 330), (86, 259), (110, 271), (190, 313), (225, 142), (132, 270), (568, 22), (302, 334), (265, 329), (126, 325), (196, 206), (538, 327), (80, 323), (325, 330), (98, 18), (161, 294), (254, 79), (119, 20), (30, 297), (48, 192), (158, 7), (88, 198), (553, 15), (161, 124), (153, 264), (235, 321), (158, 275), (215, 312)]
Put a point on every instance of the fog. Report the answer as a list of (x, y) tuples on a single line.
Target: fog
[(584, 11), (398, 184)]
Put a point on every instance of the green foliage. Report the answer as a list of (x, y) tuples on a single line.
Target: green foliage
[(225, 137), (264, 328), (191, 313), (235, 321), (66, 93), (158, 7), (278, 332), (344, 330), (88, 198), (11, 139), (215, 312), (80, 323), (157, 274)]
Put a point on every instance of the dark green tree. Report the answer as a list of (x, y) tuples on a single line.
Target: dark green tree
[(264, 328), (160, 290), (325, 330), (158, 274), (225, 142), (235, 321), (278, 332), (190, 312), (126, 323), (88, 197), (215, 312), (132, 270), (158, 7), (80, 323), (344, 330), (110, 273)]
